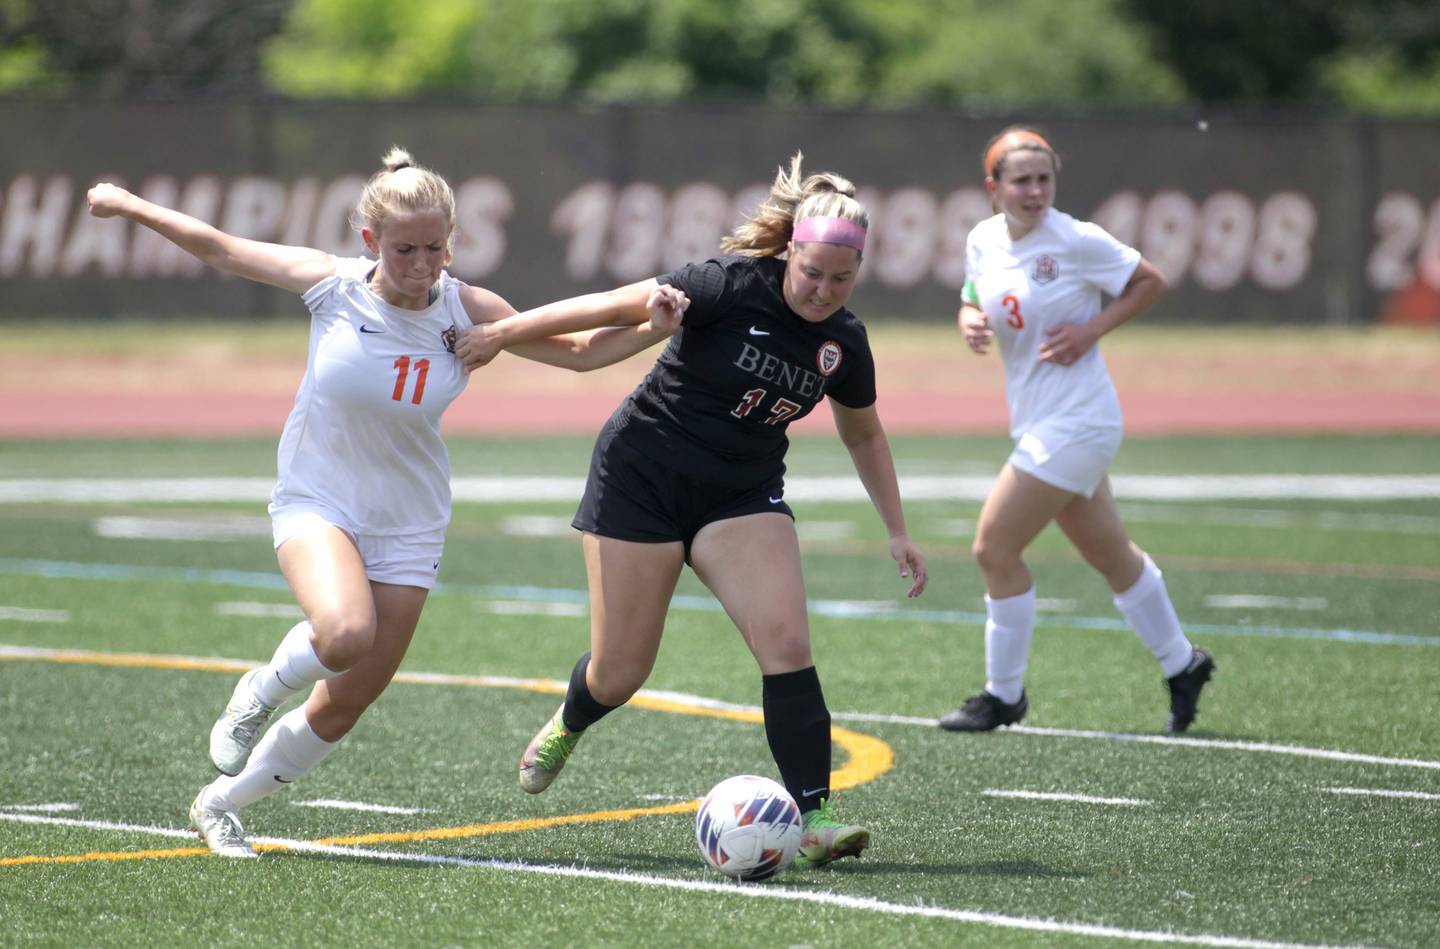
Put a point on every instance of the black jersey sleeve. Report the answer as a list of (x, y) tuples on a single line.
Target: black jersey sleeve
[(857, 389), (708, 287)]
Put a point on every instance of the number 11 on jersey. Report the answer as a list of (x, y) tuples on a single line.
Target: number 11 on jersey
[(402, 371)]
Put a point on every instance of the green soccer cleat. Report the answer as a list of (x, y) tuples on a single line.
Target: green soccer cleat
[(546, 754), (825, 839)]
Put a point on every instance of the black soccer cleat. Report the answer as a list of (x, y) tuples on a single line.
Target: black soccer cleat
[(1185, 691), (984, 713)]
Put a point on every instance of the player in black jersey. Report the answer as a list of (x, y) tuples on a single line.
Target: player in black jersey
[(690, 469)]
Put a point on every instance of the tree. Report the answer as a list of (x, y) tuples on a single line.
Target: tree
[(828, 52), (1377, 55), (136, 47)]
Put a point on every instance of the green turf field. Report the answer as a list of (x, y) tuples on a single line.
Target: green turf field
[(1304, 807)]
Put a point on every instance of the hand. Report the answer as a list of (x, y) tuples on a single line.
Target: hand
[(667, 305), (975, 326), (1066, 343), (477, 347), (912, 564), (106, 200)]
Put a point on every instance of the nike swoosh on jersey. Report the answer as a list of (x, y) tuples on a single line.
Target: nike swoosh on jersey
[(776, 500), (283, 781), (366, 329), (756, 331)]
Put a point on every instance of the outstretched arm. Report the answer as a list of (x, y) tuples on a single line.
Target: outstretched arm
[(609, 345), (624, 306), (863, 435), (296, 269)]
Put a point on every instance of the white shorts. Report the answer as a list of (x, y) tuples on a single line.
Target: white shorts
[(411, 560), (1074, 461)]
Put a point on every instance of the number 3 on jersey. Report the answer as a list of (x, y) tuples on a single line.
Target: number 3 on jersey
[(1011, 303), (402, 372)]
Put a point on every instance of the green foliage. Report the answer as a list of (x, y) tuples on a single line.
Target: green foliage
[(23, 68), (1375, 55), (854, 52), (1026, 51), (1382, 82)]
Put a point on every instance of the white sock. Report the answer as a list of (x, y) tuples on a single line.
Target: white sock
[(293, 669), (287, 752), (1009, 623), (1147, 608)]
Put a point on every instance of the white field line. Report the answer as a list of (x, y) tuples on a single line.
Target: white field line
[(554, 685), (359, 806), (1178, 741), (1065, 796), (1387, 792), (259, 610), (536, 525), (1256, 601), (47, 808), (1250, 517), (531, 608), (839, 488), (23, 615), (201, 527), (752, 891)]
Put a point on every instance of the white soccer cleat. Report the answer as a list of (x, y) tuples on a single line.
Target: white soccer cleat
[(221, 831), (238, 728)]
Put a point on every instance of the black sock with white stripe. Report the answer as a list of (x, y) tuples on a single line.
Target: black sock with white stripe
[(797, 726)]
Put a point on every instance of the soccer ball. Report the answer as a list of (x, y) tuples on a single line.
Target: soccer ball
[(748, 827)]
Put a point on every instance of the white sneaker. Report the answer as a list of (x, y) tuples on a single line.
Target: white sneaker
[(221, 831), (238, 728)]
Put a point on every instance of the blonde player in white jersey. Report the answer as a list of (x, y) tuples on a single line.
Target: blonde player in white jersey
[(362, 501), (1036, 285)]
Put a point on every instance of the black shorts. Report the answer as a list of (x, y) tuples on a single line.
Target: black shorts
[(631, 497)]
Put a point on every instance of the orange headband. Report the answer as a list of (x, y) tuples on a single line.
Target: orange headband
[(1011, 140)]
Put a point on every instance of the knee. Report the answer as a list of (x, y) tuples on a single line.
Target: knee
[(343, 636), (991, 556), (1120, 564), (784, 648), (614, 683)]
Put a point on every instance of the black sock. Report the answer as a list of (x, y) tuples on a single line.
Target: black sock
[(581, 710), (797, 726)]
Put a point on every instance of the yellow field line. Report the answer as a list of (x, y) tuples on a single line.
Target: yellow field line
[(115, 855), (868, 758)]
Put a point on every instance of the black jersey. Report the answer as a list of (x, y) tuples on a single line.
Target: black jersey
[(740, 369)]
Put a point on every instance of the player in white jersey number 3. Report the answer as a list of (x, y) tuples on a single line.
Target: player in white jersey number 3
[(1035, 284), (362, 501)]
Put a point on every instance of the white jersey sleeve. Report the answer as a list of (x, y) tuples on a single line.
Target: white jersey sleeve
[(1104, 261)]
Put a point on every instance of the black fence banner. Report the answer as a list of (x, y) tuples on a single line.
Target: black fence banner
[(1255, 218)]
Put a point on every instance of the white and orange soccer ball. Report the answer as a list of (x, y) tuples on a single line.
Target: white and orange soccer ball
[(748, 827)]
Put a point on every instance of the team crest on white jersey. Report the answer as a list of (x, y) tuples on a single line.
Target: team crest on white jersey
[(1046, 269), (448, 337), (828, 358)]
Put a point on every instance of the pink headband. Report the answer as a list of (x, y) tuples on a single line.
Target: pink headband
[(831, 230)]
